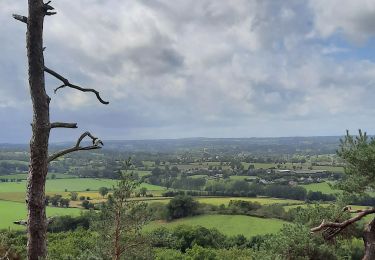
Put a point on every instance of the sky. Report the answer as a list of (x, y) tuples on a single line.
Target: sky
[(207, 68)]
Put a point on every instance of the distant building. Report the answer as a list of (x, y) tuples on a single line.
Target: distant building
[(283, 171)]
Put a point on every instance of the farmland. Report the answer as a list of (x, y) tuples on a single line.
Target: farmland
[(323, 187), (228, 224), (12, 211), (67, 185)]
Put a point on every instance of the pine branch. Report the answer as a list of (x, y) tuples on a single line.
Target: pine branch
[(333, 228)]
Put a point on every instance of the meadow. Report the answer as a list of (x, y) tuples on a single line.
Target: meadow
[(23, 176), (67, 185), (228, 224), (263, 201), (12, 211), (323, 187), (217, 201)]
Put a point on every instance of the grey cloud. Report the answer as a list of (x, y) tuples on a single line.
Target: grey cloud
[(189, 68)]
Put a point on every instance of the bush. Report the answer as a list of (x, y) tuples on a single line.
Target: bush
[(87, 204), (182, 206)]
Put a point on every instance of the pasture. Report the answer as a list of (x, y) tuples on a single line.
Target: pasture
[(263, 201), (13, 211), (23, 176), (241, 177), (67, 185), (230, 225), (323, 187), (217, 201)]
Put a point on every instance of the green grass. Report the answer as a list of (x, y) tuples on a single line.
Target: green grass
[(148, 163), (330, 168), (322, 187), (79, 184), (13, 211), (142, 173), (217, 201), (198, 176), (152, 187), (262, 201), (228, 224), (15, 162), (241, 178), (23, 176)]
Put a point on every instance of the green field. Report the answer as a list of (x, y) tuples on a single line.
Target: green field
[(228, 224), (13, 211), (322, 187), (262, 201), (330, 168), (241, 178), (198, 176), (217, 201), (15, 162), (23, 176), (61, 185)]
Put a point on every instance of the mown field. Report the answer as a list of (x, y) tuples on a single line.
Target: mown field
[(228, 224), (12, 211)]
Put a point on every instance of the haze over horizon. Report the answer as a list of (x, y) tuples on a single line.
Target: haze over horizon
[(179, 69)]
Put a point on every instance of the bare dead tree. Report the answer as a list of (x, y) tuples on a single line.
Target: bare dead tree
[(41, 126), (331, 229)]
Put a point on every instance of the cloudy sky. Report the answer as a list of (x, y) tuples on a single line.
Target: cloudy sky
[(187, 68)]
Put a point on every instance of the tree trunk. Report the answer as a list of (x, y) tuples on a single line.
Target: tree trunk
[(37, 223), (369, 239)]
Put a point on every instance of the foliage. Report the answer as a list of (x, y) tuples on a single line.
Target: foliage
[(359, 154), (182, 206), (103, 191), (70, 223), (120, 223), (230, 225), (80, 244)]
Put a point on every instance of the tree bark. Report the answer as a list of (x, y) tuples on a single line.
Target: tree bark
[(369, 239), (37, 222)]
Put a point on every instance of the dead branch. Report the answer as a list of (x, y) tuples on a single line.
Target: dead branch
[(63, 125), (20, 18), (68, 84), (6, 256), (47, 8), (96, 144), (331, 229), (65, 81)]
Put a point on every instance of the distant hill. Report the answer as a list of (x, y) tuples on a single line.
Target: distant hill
[(278, 145), (271, 145)]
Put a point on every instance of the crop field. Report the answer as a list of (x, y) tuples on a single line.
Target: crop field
[(228, 224), (13, 211)]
